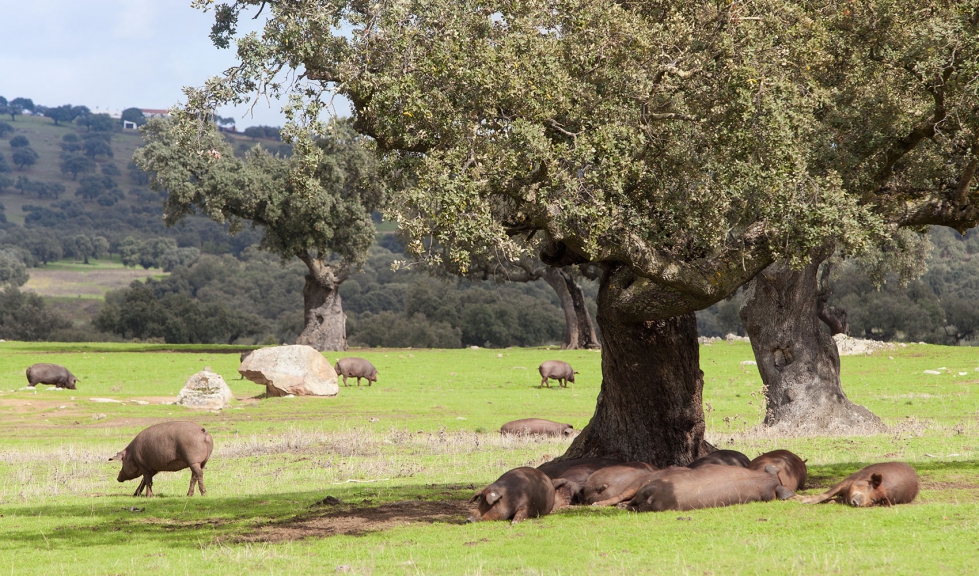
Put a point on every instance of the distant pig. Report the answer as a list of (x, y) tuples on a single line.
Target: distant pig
[(519, 494), (537, 426), (356, 368), (50, 374), (556, 370), (876, 485), (166, 447)]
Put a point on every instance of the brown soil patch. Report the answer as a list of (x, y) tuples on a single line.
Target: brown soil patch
[(343, 520)]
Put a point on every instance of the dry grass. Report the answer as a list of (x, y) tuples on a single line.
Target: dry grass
[(92, 283)]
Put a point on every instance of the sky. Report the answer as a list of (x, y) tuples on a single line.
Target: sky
[(115, 54)]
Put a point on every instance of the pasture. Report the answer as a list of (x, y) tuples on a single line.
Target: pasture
[(404, 456)]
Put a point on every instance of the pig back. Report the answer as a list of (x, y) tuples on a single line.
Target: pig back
[(171, 446)]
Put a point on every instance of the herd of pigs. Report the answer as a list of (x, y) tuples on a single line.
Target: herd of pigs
[(722, 478)]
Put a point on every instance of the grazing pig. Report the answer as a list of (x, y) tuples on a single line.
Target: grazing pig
[(166, 447), (878, 484), (573, 474), (537, 426), (613, 484), (721, 458), (519, 494), (356, 368), (50, 374), (708, 486), (791, 468), (556, 370)]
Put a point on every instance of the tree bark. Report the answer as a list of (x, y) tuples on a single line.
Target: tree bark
[(555, 280), (798, 360), (650, 405), (324, 323), (587, 339)]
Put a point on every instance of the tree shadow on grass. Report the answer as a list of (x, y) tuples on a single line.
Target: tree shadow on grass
[(177, 521)]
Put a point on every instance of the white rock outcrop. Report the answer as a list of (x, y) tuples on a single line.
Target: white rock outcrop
[(205, 390), (299, 370)]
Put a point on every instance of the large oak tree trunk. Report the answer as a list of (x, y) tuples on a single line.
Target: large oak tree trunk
[(650, 406), (324, 323), (798, 360)]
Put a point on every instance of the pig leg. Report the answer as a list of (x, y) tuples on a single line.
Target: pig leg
[(520, 516), (826, 496), (344, 379), (626, 494), (196, 477)]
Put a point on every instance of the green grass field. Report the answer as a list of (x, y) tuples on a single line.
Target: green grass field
[(405, 455)]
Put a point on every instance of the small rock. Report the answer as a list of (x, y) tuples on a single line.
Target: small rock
[(372, 419), (205, 391), (935, 372), (98, 417), (105, 400), (748, 363), (474, 347), (344, 568)]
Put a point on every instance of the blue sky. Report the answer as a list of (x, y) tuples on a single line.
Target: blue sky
[(114, 54)]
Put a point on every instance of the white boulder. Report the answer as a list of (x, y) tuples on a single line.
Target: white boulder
[(298, 370), (205, 391)]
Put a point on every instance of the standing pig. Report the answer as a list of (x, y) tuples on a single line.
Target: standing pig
[(50, 374), (519, 494), (878, 484), (166, 447), (537, 426), (356, 368), (556, 370)]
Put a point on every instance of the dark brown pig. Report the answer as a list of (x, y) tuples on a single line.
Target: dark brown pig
[(708, 486), (537, 426), (166, 447), (573, 474), (50, 374), (876, 485), (556, 370), (721, 458), (356, 368), (791, 468), (617, 483), (519, 494)]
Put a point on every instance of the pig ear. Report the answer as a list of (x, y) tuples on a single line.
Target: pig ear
[(558, 482), (118, 456), (492, 497), (875, 480)]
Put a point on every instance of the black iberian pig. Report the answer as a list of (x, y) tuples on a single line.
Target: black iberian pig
[(50, 374), (537, 426), (876, 485), (519, 494), (791, 469), (166, 447), (709, 486), (358, 368), (556, 370)]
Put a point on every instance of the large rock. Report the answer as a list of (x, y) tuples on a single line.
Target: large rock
[(299, 370), (205, 391)]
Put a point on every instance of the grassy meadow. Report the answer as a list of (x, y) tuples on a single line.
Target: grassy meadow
[(404, 455)]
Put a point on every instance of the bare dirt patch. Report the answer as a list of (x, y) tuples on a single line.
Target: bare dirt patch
[(356, 521)]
